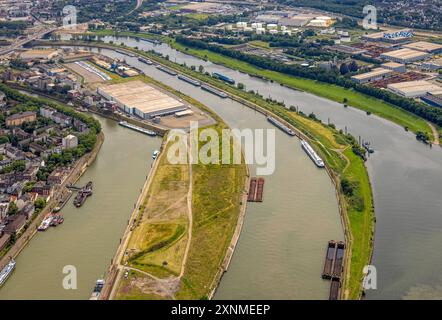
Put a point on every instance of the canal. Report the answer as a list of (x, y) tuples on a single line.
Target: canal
[(404, 173), (89, 236)]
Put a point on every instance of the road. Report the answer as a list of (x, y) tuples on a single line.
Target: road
[(21, 43)]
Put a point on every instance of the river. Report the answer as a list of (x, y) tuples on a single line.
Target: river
[(89, 236), (404, 173)]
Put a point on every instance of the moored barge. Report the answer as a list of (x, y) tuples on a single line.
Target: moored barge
[(281, 126)]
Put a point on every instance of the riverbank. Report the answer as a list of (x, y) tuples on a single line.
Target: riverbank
[(75, 174), (357, 207), (332, 92)]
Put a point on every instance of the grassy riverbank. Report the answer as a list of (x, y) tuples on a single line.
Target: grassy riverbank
[(157, 246)]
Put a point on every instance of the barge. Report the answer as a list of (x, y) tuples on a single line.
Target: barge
[(256, 190), (83, 194), (223, 78), (334, 289), (339, 260), (216, 92), (312, 154), (189, 80), (281, 126), (329, 259), (136, 128), (167, 70), (145, 61), (6, 272), (126, 53)]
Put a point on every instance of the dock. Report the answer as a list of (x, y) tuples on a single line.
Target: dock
[(256, 190), (334, 262)]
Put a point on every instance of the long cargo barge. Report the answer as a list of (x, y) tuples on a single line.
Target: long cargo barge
[(189, 80), (334, 289), (6, 272), (329, 259), (167, 70), (145, 61), (259, 190), (312, 154), (136, 128), (339, 260), (281, 126), (252, 190), (83, 194), (223, 78), (214, 91), (126, 53)]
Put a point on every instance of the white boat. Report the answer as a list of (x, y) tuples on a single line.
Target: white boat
[(6, 272), (45, 224), (312, 154), (155, 154)]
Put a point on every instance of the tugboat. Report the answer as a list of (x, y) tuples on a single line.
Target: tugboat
[(82, 195)]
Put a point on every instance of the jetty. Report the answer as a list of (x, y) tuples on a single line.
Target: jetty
[(256, 190)]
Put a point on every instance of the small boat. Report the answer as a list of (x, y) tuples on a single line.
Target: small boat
[(99, 285), (46, 223), (155, 154)]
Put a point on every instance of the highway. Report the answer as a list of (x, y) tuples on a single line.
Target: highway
[(21, 43)]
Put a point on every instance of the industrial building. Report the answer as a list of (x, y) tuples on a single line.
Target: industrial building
[(433, 98), (424, 46), (397, 67), (413, 89), (432, 65), (39, 54), (141, 99), (405, 55), (391, 37), (375, 74)]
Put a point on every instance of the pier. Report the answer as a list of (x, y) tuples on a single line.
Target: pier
[(256, 190)]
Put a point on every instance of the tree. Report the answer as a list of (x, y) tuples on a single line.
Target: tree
[(343, 69), (40, 203), (353, 66), (241, 86), (12, 209)]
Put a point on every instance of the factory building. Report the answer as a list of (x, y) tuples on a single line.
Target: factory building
[(413, 89), (405, 55), (397, 67), (433, 98), (374, 75), (141, 99), (424, 46)]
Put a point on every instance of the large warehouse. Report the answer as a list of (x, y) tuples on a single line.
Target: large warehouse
[(424, 46), (141, 99), (413, 89), (405, 55)]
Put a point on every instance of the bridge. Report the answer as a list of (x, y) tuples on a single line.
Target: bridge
[(21, 43)]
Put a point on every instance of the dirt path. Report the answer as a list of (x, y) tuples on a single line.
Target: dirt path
[(189, 212)]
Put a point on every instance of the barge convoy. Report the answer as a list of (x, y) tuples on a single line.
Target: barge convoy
[(83, 194), (136, 128), (6, 272), (256, 190), (312, 154), (334, 263), (281, 126)]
